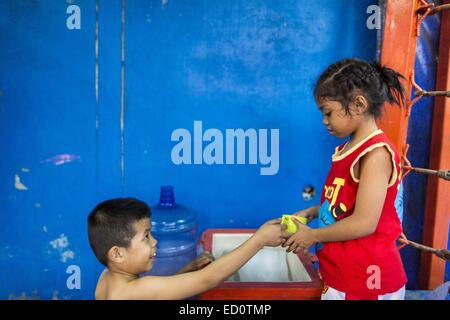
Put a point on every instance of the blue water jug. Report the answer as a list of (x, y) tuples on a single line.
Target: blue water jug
[(175, 228)]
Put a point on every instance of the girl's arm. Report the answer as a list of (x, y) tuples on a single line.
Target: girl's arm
[(375, 172), (310, 213)]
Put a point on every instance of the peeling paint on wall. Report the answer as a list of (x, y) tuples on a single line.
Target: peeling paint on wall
[(66, 255), (55, 295), (24, 296), (18, 184), (62, 159), (35, 296), (60, 243)]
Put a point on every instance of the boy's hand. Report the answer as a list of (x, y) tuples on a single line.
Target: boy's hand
[(201, 261), (301, 240), (271, 233)]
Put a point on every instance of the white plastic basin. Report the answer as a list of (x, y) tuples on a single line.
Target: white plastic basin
[(271, 264)]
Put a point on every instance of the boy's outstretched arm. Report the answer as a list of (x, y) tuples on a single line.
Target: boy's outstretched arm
[(185, 285)]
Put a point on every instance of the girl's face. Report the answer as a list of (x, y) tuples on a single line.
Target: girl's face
[(337, 121)]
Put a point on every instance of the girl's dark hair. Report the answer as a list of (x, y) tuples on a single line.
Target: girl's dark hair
[(345, 79), (111, 222)]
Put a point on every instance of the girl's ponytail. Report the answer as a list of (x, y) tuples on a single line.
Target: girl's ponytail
[(345, 79), (395, 92)]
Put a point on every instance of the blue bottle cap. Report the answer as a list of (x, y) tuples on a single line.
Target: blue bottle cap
[(167, 196)]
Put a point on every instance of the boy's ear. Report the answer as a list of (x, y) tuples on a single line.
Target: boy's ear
[(116, 254)]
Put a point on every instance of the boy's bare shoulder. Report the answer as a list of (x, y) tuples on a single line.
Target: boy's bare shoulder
[(100, 290), (109, 289)]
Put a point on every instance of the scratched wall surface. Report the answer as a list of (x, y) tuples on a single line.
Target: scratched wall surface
[(48, 134), (229, 64)]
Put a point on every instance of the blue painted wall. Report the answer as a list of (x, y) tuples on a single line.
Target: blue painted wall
[(230, 64)]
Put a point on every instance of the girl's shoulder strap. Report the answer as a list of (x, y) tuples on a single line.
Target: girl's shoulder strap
[(353, 151), (377, 141)]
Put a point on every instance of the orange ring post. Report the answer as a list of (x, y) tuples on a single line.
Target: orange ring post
[(398, 52), (437, 205)]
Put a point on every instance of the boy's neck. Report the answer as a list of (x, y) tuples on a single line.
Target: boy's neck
[(122, 275)]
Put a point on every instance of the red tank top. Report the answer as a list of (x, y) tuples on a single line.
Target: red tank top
[(368, 266)]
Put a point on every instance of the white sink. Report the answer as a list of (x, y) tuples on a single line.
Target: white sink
[(271, 264)]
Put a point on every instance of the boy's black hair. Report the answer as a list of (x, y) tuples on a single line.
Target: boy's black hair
[(345, 79), (110, 224)]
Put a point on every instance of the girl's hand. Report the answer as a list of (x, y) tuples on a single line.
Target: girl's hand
[(303, 239), (309, 213)]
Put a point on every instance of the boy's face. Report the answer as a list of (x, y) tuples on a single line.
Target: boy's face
[(140, 255)]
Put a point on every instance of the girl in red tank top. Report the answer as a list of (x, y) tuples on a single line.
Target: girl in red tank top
[(358, 223)]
